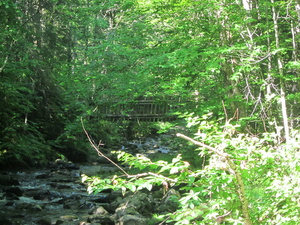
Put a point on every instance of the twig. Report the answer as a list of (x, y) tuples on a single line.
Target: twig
[(221, 218), (99, 152)]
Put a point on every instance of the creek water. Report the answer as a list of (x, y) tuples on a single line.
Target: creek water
[(48, 196), (56, 195)]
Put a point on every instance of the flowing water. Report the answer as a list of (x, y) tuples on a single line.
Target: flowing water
[(56, 195), (48, 196)]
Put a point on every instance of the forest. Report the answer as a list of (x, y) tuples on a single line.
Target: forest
[(231, 68)]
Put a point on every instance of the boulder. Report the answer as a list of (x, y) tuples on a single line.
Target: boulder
[(99, 211), (14, 190), (132, 207), (100, 219), (131, 220)]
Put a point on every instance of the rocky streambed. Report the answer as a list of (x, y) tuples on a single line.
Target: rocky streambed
[(56, 195), (50, 196)]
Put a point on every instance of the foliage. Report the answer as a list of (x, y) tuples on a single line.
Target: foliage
[(210, 194), (62, 60)]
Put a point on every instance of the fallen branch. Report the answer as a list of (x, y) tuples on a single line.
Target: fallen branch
[(222, 154), (237, 173), (99, 152), (115, 164)]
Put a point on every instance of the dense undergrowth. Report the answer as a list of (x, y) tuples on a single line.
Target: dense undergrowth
[(263, 180)]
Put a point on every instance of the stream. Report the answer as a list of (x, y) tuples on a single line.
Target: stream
[(55, 195), (49, 196)]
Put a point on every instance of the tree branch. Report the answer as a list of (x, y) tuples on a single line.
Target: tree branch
[(120, 168), (99, 152), (237, 173), (222, 154)]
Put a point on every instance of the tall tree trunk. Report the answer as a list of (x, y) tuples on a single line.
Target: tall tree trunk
[(281, 74)]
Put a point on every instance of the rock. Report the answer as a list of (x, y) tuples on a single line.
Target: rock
[(60, 162), (65, 180), (94, 170), (99, 211), (113, 205), (60, 186), (130, 210), (10, 196), (8, 181), (131, 220), (72, 166), (37, 208), (14, 190), (66, 164), (23, 206), (69, 218), (43, 176), (72, 204), (98, 219), (90, 170), (58, 222), (113, 196), (168, 204), (9, 203), (43, 221), (76, 202), (143, 202), (84, 223), (63, 172), (100, 199), (75, 173), (42, 195), (125, 209)]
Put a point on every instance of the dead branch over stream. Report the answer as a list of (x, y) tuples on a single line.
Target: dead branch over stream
[(96, 148)]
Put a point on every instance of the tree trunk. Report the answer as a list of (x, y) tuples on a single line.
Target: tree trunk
[(281, 75)]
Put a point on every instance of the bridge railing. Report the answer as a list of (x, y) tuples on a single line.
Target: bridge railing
[(143, 109)]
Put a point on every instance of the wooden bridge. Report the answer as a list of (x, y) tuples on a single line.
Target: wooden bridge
[(142, 110)]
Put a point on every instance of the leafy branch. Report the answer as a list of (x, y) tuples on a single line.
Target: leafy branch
[(237, 173)]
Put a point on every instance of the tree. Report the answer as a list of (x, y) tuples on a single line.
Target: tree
[(65, 59), (32, 116)]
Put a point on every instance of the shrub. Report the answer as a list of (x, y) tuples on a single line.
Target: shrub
[(247, 178)]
